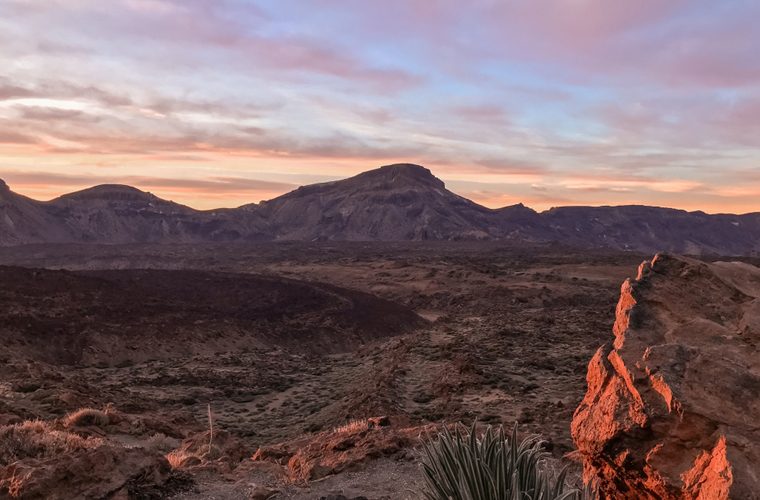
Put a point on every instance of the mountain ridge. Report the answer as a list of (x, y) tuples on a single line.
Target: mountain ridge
[(392, 203), (5, 187)]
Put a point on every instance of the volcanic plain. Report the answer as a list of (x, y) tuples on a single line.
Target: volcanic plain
[(285, 342)]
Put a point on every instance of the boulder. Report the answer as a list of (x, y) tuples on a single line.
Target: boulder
[(673, 401)]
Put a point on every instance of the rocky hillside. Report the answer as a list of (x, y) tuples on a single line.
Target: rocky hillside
[(391, 203), (672, 406)]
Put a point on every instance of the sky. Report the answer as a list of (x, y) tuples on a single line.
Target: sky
[(545, 102)]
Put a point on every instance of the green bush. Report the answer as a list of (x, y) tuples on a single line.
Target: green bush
[(459, 466)]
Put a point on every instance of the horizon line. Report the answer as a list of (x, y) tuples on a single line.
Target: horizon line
[(296, 187)]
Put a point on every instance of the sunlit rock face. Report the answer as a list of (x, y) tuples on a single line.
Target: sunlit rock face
[(673, 401)]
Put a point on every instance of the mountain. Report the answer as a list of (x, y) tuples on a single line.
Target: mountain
[(114, 214), (391, 203), (122, 214), (395, 202), (643, 228), (23, 220)]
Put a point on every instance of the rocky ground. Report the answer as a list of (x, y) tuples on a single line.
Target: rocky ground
[(491, 333)]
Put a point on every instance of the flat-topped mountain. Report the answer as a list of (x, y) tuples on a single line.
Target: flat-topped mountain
[(392, 203), (395, 202)]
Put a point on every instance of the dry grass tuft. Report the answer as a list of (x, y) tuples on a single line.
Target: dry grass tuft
[(176, 458), (37, 439), (352, 427), (181, 458), (86, 417)]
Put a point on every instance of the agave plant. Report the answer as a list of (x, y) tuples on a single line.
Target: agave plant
[(461, 466)]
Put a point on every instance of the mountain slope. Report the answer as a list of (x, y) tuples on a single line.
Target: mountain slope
[(117, 214), (23, 220), (653, 229), (121, 214), (391, 203), (395, 202)]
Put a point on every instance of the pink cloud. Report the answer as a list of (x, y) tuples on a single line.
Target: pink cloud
[(491, 114), (606, 97), (11, 137)]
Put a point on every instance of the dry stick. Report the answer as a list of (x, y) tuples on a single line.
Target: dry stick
[(211, 429)]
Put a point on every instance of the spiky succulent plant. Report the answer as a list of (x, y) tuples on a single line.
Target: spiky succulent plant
[(459, 465)]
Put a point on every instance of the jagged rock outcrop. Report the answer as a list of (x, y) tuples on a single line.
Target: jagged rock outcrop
[(673, 403)]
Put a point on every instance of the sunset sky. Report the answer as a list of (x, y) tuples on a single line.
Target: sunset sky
[(220, 103)]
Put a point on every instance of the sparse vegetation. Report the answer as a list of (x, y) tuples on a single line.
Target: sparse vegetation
[(85, 417), (204, 448), (38, 439), (352, 427), (490, 336), (177, 458), (461, 466), (161, 442)]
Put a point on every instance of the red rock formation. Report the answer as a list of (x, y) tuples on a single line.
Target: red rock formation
[(673, 403)]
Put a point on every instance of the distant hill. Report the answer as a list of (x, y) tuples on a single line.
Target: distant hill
[(118, 214), (391, 203)]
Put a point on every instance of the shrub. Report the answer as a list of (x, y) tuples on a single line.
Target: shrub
[(192, 453), (352, 427), (37, 439), (86, 417), (177, 458), (161, 443), (459, 466)]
